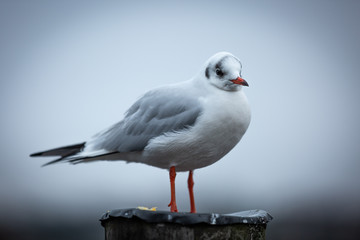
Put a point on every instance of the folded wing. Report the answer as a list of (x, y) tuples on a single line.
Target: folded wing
[(156, 113)]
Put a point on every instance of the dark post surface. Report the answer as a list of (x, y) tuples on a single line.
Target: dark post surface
[(142, 224)]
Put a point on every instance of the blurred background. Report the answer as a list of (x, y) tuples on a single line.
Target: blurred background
[(69, 69)]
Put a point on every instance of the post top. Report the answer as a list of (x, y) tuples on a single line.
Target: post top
[(185, 218)]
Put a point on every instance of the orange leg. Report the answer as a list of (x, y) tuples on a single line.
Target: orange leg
[(172, 204), (191, 192)]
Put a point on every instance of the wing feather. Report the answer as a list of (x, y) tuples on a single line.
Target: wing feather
[(156, 113)]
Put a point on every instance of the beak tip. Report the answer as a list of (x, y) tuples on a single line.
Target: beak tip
[(240, 81)]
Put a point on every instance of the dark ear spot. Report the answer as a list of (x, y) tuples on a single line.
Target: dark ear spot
[(207, 74)]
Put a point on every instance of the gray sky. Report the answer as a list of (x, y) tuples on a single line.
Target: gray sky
[(69, 70)]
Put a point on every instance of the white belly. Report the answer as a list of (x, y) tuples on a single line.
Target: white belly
[(219, 128)]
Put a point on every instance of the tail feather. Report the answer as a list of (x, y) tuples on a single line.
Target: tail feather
[(63, 152)]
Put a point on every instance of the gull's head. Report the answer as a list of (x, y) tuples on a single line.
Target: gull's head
[(223, 70)]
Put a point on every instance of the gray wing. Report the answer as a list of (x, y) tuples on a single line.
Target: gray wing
[(156, 113)]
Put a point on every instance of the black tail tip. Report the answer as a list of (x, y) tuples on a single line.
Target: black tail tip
[(35, 154)]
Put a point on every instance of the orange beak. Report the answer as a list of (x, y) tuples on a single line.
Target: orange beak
[(240, 81)]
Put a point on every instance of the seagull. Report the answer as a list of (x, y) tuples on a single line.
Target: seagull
[(179, 127)]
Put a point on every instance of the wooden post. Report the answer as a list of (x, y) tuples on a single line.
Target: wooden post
[(143, 224)]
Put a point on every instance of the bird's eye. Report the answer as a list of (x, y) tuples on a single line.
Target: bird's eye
[(218, 72)]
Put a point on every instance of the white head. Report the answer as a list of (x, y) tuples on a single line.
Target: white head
[(223, 70)]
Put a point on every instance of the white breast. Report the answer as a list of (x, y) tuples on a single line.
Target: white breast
[(224, 121)]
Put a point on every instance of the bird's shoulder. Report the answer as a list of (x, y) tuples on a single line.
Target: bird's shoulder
[(166, 101)]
